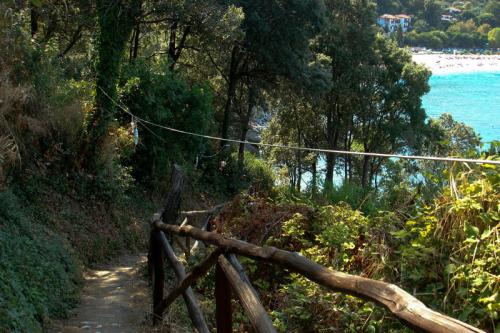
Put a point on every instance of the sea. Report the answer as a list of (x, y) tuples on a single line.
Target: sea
[(471, 98)]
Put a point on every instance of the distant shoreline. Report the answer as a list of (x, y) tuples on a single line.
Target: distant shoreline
[(442, 63)]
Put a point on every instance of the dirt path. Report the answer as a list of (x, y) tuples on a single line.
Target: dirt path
[(114, 300)]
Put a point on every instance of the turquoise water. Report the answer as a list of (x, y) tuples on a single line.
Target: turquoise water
[(471, 98)]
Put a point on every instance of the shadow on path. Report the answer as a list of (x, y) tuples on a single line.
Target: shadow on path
[(114, 300)]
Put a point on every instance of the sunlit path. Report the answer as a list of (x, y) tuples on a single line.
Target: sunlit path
[(114, 299)]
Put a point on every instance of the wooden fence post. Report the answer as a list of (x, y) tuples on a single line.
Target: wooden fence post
[(247, 295), (223, 310), (412, 312), (157, 272)]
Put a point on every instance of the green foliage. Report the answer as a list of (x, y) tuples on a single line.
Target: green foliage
[(437, 39), (444, 251), (428, 30), (451, 251), (357, 197), (294, 22), (162, 97), (258, 175), (115, 21), (342, 239), (358, 91), (432, 12), (39, 276), (494, 37), (451, 137)]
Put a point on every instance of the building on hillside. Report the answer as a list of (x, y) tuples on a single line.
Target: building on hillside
[(449, 14), (448, 18), (391, 23), (454, 11)]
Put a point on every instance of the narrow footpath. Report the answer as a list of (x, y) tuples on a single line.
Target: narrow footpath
[(114, 300)]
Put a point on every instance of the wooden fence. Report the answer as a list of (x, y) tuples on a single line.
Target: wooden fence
[(231, 278)]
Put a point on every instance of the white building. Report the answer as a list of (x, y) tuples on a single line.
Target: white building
[(391, 23), (454, 10), (447, 17), (450, 13)]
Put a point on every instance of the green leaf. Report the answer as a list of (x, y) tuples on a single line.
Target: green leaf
[(370, 329), (470, 230), (36, 3), (477, 282), (465, 313), (486, 234), (451, 268)]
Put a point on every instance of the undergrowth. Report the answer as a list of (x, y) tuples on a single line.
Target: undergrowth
[(39, 274), (50, 227), (444, 251)]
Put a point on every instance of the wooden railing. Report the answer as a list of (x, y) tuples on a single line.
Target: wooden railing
[(231, 278)]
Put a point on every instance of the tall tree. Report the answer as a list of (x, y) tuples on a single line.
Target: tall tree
[(116, 21), (347, 42), (296, 122), (432, 13), (391, 117), (275, 44)]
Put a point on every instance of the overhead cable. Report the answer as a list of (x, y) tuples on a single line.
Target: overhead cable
[(317, 150)]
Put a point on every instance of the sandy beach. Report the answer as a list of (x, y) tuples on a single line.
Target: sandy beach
[(449, 63)]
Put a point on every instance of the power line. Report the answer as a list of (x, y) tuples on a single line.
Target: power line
[(317, 150)]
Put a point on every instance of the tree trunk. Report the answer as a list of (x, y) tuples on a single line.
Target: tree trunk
[(299, 178), (34, 15), (365, 171), (241, 150), (74, 39), (332, 138), (330, 158), (314, 186), (299, 168), (135, 48), (172, 41), (244, 126), (371, 171), (178, 49), (115, 22), (349, 157), (346, 158), (292, 173), (231, 91)]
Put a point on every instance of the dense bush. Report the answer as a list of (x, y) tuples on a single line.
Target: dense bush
[(437, 39), (162, 97), (54, 215), (258, 175), (39, 276), (494, 38), (445, 252), (450, 249)]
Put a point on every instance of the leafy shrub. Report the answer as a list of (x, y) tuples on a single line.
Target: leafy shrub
[(444, 251), (39, 276), (450, 249), (356, 196), (258, 175), (41, 108), (221, 175), (345, 240), (161, 97)]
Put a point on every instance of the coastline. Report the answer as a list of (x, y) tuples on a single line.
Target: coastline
[(443, 64)]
